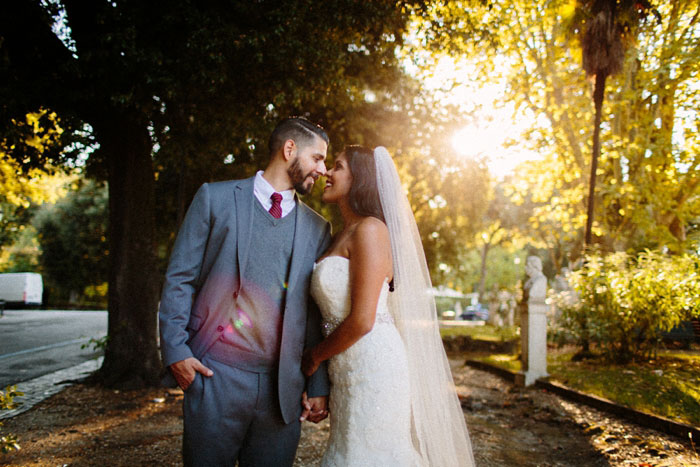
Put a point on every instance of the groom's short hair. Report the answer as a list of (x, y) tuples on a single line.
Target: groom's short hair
[(298, 129)]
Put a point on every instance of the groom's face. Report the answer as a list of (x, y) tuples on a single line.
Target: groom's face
[(308, 164)]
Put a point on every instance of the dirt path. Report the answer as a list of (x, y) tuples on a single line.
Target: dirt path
[(518, 427), (86, 426)]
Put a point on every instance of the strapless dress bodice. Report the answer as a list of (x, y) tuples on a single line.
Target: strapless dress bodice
[(330, 288)]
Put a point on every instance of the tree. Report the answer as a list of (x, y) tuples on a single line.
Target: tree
[(22, 190), (500, 226), (73, 238), (651, 193), (16, 198), (607, 26), (647, 179), (153, 88)]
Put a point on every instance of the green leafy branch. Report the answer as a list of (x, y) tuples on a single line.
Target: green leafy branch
[(9, 442), (97, 344)]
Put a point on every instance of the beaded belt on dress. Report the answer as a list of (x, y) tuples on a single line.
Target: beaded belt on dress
[(380, 318)]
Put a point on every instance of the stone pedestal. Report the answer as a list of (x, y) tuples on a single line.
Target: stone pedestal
[(533, 335)]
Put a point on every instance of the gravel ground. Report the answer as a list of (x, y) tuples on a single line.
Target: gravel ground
[(532, 427), (87, 426)]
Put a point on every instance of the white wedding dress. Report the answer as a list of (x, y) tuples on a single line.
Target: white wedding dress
[(370, 405)]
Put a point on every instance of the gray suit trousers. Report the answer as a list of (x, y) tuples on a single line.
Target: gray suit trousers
[(234, 415)]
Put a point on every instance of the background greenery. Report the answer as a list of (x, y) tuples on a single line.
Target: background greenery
[(113, 114)]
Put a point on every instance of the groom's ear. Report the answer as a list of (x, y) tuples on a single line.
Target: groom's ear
[(289, 149)]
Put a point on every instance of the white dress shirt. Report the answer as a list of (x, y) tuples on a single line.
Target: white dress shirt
[(263, 190)]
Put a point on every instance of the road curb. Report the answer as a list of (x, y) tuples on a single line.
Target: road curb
[(37, 389), (662, 424)]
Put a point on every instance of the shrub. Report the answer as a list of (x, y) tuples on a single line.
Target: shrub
[(8, 442), (625, 303)]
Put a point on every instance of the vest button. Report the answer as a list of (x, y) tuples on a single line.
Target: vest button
[(220, 328)]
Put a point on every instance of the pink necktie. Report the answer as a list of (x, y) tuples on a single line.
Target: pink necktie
[(276, 208)]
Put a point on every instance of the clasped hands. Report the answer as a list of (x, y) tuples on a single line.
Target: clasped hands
[(315, 408)]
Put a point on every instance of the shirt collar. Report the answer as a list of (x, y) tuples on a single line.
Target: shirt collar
[(263, 187)]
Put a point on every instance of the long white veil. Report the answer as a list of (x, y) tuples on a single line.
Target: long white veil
[(439, 431)]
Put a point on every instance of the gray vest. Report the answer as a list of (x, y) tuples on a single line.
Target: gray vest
[(251, 340)]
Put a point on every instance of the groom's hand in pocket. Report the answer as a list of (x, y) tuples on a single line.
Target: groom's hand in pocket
[(315, 408), (185, 370)]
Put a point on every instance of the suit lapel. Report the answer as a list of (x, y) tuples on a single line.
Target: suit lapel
[(301, 237), (244, 223)]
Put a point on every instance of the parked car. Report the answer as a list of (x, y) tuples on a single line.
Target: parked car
[(476, 312), (448, 314), (21, 289)]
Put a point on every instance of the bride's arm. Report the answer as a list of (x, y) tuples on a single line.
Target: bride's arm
[(370, 265)]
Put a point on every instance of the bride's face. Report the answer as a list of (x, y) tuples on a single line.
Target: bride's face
[(338, 181)]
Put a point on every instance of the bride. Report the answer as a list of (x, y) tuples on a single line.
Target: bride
[(392, 400)]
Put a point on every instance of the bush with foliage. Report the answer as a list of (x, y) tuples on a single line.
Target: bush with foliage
[(74, 248), (625, 302), (8, 442)]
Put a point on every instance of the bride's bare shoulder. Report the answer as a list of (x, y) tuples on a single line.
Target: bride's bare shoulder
[(370, 247), (371, 231), (371, 227)]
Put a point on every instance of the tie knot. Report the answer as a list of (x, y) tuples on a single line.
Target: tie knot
[(276, 208)]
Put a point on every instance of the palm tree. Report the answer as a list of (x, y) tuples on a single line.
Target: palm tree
[(604, 28)]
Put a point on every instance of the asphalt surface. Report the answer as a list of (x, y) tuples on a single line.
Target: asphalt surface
[(36, 343)]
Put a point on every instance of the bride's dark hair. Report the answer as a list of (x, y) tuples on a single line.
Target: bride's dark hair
[(364, 195)]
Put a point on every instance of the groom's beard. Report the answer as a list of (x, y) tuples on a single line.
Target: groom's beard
[(296, 175)]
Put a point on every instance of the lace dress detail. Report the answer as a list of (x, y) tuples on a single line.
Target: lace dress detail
[(370, 398)]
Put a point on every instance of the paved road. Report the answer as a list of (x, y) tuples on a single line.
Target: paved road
[(35, 343)]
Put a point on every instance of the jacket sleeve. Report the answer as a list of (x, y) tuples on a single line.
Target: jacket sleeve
[(317, 384), (182, 279)]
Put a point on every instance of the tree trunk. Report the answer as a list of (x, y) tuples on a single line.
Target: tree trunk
[(598, 96), (131, 356), (482, 279)]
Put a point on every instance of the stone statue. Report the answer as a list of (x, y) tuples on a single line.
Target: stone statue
[(533, 325), (567, 295), (561, 283), (535, 288)]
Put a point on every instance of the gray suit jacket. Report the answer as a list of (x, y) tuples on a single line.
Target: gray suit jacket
[(204, 279)]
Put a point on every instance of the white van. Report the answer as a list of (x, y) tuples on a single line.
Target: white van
[(21, 288)]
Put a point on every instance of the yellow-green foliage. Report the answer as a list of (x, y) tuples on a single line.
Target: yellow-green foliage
[(21, 188), (8, 442), (626, 302)]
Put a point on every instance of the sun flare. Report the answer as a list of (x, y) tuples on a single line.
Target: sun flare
[(492, 133), (475, 141), (492, 142)]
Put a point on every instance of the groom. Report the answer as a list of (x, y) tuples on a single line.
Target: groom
[(235, 315)]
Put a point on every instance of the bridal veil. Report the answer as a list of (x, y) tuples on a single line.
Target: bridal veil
[(438, 428)]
